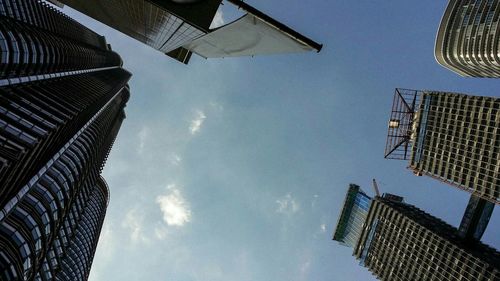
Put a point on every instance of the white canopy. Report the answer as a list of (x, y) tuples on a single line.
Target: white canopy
[(246, 36)]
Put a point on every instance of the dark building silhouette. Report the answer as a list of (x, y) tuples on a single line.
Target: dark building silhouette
[(398, 241), (476, 218), (180, 28), (468, 38), (448, 136), (62, 98)]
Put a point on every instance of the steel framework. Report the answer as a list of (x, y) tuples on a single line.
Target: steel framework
[(404, 106)]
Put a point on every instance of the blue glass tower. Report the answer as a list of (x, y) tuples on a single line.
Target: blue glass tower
[(353, 216)]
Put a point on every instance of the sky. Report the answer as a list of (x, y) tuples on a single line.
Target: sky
[(237, 168)]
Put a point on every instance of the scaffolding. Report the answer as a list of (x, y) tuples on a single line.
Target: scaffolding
[(404, 107)]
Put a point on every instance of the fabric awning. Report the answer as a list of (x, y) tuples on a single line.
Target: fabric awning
[(246, 36)]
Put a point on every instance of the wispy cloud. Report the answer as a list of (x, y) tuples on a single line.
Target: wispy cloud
[(175, 159), (218, 19), (143, 136), (314, 200), (322, 227), (196, 123), (304, 268), (319, 232), (217, 106), (133, 221), (287, 205), (160, 232), (174, 207)]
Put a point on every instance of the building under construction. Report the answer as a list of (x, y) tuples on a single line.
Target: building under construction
[(448, 136), (398, 241)]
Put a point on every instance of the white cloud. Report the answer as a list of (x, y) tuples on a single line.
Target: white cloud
[(176, 159), (174, 207), (133, 222), (197, 122), (287, 205), (218, 19), (323, 228)]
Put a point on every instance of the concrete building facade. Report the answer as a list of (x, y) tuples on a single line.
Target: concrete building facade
[(449, 136), (468, 38)]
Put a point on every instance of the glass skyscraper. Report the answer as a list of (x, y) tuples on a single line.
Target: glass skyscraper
[(159, 24), (62, 98)]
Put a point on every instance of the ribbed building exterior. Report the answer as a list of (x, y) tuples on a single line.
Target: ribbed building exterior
[(397, 241), (401, 242), (468, 38), (62, 98), (451, 137)]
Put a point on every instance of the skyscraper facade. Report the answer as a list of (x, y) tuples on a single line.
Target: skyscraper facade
[(401, 242), (163, 25), (62, 98), (352, 217), (448, 136), (468, 38), (476, 218), (398, 241), (179, 28)]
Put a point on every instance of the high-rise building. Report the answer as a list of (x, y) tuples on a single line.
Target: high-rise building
[(476, 218), (178, 28), (398, 241), (468, 38), (62, 98), (352, 216), (448, 136)]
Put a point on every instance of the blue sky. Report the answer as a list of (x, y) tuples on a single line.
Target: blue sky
[(236, 169)]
